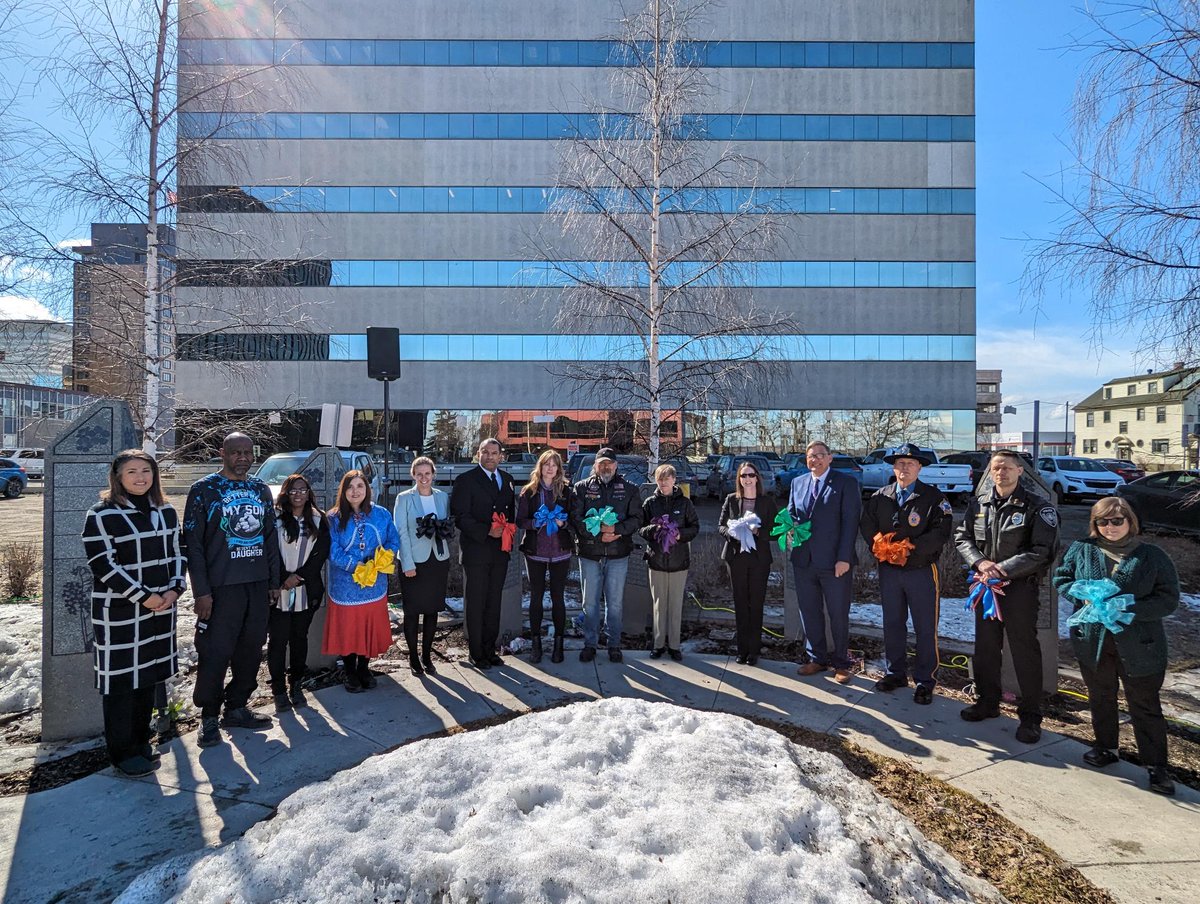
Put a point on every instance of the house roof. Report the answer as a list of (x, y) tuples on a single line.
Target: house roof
[(1188, 384)]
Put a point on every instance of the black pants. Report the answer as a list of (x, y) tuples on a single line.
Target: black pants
[(482, 592), (231, 640), (1141, 693), (427, 630), (287, 637), (127, 722), (748, 575), (1019, 606), (537, 590)]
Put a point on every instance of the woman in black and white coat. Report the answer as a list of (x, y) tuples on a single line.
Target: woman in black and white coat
[(131, 539)]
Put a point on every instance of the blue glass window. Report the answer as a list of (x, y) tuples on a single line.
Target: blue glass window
[(437, 53), (841, 55), (511, 53), (486, 53), (337, 53), (462, 53), (412, 53), (362, 53), (387, 53)]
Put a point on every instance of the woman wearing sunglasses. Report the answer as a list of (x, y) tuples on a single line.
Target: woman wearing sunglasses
[(1117, 631), (747, 516)]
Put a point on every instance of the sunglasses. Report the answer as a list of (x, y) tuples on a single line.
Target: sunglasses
[(747, 476), (1105, 522)]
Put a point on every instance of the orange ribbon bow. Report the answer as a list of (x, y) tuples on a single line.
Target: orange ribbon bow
[(509, 531), (886, 548)]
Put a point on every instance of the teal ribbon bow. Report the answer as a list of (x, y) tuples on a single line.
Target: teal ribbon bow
[(594, 520), (1104, 604)]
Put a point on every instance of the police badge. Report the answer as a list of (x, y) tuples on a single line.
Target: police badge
[(1018, 519), (914, 518)]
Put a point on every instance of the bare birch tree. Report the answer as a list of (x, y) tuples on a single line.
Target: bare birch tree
[(667, 265), (1131, 233), (125, 94)]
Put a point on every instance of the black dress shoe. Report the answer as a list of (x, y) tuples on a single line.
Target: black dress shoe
[(979, 711), (150, 753), (1099, 757), (923, 695), (427, 664), (1160, 781), (751, 660), (414, 666), (1029, 731), (494, 659), (136, 766), (657, 652), (742, 660), (482, 664), (889, 683), (677, 655)]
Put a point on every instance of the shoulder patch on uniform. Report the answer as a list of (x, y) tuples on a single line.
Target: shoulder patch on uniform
[(1049, 514), (946, 507)]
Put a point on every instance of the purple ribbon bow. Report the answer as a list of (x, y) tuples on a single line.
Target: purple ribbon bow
[(666, 532)]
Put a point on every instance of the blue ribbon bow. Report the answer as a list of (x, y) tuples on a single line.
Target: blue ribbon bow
[(1104, 604), (548, 518), (983, 593)]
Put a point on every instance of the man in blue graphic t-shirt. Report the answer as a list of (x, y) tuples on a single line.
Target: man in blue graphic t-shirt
[(233, 560)]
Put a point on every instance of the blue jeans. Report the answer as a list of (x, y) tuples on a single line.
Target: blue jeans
[(607, 577)]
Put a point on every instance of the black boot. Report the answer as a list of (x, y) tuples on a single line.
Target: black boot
[(557, 654), (536, 655)]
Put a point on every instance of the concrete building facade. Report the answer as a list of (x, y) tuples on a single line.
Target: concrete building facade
[(390, 170), (988, 405)]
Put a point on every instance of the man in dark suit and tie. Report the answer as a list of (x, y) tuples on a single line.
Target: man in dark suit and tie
[(479, 494), (822, 564)]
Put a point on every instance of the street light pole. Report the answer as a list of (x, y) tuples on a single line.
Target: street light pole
[(1037, 416)]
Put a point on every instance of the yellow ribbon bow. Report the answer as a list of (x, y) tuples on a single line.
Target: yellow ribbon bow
[(368, 572)]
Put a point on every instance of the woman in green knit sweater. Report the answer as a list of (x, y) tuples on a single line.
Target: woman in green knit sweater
[(1122, 636)]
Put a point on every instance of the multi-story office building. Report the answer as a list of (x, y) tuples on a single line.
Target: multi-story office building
[(391, 168), (36, 351), (987, 405)]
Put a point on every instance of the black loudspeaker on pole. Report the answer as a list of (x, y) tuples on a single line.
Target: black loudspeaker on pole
[(383, 363)]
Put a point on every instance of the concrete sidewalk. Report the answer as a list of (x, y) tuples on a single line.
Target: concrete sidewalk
[(87, 840)]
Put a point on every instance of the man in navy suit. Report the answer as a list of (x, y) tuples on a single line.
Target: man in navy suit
[(478, 495), (831, 501)]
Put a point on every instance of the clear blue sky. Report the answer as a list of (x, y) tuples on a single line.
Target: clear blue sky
[(1025, 79)]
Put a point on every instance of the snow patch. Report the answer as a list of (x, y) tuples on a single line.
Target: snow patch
[(613, 801), (955, 621), (1191, 601), (20, 657)]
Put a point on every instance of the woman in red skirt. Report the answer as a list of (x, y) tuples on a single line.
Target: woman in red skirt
[(362, 553)]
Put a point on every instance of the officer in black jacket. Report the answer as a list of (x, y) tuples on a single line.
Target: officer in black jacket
[(1009, 533), (908, 510), (604, 553)]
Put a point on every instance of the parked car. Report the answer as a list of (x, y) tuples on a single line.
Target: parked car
[(520, 465), (13, 478), (1128, 470), (720, 481), (796, 463), (1168, 499), (1075, 478), (32, 460), (952, 479), (275, 469), (977, 461)]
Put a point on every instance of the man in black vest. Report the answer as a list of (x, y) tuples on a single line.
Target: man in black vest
[(479, 495)]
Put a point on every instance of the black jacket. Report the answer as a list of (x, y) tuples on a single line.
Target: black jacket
[(527, 507), (1020, 533), (473, 501), (312, 571), (229, 534), (680, 510), (625, 502), (926, 520), (766, 508)]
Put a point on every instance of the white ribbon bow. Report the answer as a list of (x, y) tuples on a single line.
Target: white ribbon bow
[(742, 530)]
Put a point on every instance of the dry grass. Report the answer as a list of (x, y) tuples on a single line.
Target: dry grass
[(20, 570)]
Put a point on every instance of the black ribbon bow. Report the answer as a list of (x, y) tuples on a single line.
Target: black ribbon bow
[(438, 529)]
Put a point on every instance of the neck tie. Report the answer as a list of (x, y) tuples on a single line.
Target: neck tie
[(901, 496), (496, 478), (815, 493)]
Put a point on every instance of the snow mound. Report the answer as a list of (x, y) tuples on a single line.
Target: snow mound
[(612, 801), (20, 657)]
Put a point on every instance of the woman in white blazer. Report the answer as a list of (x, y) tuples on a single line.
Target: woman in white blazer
[(422, 517)]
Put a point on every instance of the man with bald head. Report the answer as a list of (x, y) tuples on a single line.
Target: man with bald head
[(233, 560)]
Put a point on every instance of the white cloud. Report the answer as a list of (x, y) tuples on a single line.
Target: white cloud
[(18, 307), (1055, 366)]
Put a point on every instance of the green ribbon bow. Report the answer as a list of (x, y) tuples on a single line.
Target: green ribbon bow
[(594, 519), (790, 534)]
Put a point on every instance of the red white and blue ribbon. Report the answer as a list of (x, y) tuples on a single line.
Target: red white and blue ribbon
[(984, 593)]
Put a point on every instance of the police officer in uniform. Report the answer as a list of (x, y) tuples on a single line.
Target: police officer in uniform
[(912, 511), (1010, 533)]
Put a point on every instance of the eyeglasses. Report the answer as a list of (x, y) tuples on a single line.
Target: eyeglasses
[(298, 491), (1105, 522), (748, 476)]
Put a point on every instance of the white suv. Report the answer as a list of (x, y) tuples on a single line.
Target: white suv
[(32, 460), (1070, 477)]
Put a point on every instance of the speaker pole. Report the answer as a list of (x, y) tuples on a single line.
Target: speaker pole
[(387, 444)]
